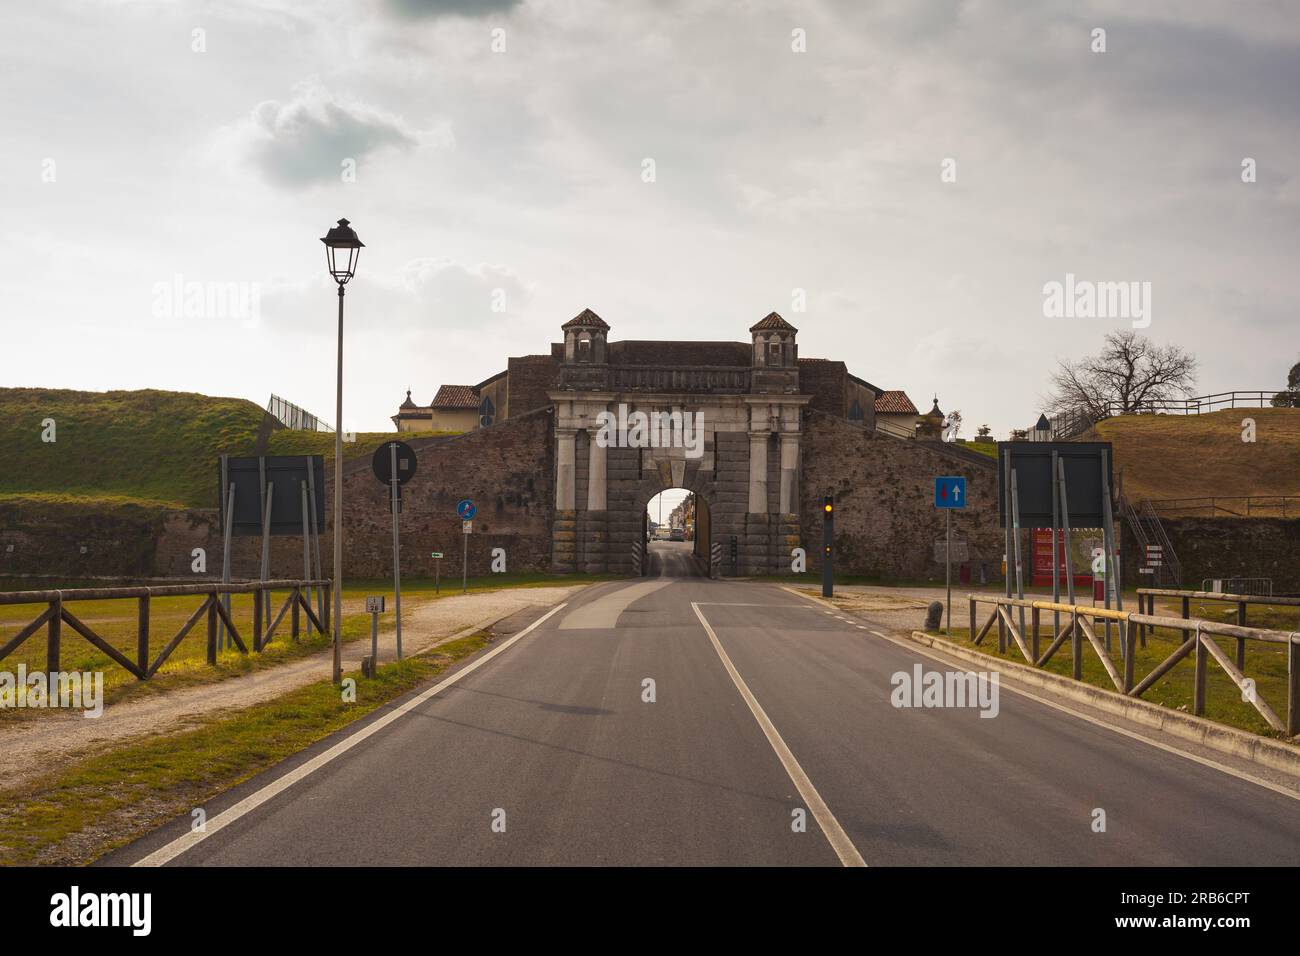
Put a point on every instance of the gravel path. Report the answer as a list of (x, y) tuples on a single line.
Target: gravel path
[(34, 746), (902, 610)]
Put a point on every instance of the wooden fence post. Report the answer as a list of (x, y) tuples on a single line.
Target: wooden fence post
[(1198, 693), (1076, 647), (1034, 614), (296, 599), (1128, 635), (1241, 641), (212, 629), (259, 598), (55, 635), (142, 636), (329, 606), (1293, 691)]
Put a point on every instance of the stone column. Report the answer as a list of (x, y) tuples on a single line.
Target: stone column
[(596, 485), (789, 472), (564, 470), (758, 472)]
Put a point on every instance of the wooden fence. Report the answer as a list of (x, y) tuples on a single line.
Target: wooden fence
[(1196, 638), (56, 614)]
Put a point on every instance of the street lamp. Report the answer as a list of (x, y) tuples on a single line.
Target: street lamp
[(342, 250)]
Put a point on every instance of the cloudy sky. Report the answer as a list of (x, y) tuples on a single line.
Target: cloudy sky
[(152, 146)]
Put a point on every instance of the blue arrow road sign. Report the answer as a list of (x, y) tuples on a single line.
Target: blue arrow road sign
[(465, 508), (950, 492)]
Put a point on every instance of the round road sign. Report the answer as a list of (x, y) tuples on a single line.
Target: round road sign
[(382, 463), (465, 508)]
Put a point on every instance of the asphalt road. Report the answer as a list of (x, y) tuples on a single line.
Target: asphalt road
[(555, 739), (673, 559)]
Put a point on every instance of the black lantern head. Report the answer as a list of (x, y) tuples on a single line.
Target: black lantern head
[(342, 250)]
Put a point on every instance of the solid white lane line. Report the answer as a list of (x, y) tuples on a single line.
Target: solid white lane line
[(170, 851), (1097, 722), (834, 833)]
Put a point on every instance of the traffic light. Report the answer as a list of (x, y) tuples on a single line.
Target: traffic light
[(828, 541)]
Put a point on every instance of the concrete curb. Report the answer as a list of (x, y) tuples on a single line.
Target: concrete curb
[(1265, 751)]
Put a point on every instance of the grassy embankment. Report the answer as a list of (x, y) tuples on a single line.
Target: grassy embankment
[(148, 448)]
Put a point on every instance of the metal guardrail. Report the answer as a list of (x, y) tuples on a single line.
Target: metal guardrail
[(56, 614), (1196, 638), (1254, 586)]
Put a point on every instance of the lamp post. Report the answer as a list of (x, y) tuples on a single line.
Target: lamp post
[(342, 250)]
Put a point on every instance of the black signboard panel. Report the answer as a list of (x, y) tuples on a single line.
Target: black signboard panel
[(285, 474), (1032, 461)]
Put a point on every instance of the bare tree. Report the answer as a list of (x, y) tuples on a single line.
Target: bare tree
[(1130, 374)]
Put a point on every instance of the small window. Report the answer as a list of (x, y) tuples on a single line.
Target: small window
[(584, 349), (774, 353)]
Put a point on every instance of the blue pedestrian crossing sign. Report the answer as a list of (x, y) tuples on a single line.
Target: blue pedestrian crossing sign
[(465, 508), (950, 492)]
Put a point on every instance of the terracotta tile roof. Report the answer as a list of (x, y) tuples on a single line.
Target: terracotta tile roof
[(772, 321), (895, 403), (586, 319), (455, 396)]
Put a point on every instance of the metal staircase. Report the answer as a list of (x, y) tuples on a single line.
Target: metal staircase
[(1148, 529)]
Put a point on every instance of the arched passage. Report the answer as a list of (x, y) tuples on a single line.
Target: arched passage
[(676, 534)]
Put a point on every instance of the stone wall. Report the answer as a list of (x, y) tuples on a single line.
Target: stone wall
[(885, 520), (1226, 548)]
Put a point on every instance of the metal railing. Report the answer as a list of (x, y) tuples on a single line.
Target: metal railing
[(1225, 586), (1148, 529), (886, 427), (292, 417), (1068, 425), (1198, 404), (1234, 506), (1196, 632), (56, 614)]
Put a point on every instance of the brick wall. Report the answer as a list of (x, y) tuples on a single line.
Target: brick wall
[(531, 377), (827, 383), (885, 520)]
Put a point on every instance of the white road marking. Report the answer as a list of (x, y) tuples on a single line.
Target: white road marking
[(831, 829), (1097, 722), (170, 851), (603, 613)]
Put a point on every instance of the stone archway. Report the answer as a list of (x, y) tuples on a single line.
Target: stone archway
[(747, 407), (747, 472)]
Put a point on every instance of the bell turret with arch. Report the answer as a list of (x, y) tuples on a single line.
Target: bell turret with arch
[(775, 355), (586, 351), (585, 339)]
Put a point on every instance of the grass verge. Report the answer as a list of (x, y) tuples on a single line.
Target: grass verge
[(1223, 701), (187, 666), (78, 813)]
